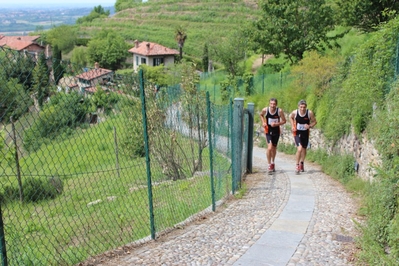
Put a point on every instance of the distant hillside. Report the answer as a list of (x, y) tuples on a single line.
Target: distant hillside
[(22, 20), (157, 20)]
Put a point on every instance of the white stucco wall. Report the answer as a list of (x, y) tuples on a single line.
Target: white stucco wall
[(168, 60)]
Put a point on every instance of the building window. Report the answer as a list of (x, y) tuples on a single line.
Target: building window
[(143, 60), (137, 60), (84, 82), (158, 61)]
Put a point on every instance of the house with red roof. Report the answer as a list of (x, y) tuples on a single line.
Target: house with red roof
[(88, 81), (152, 54), (26, 44), (67, 84)]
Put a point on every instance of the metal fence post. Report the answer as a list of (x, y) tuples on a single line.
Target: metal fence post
[(214, 93), (237, 132), (147, 154), (208, 111), (251, 111), (230, 129)]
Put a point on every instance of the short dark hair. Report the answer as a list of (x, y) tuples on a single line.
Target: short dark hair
[(273, 100), (301, 102)]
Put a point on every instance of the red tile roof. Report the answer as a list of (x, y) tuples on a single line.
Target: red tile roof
[(152, 49), (18, 42), (91, 89), (94, 73)]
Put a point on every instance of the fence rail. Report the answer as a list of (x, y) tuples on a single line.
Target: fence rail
[(92, 161)]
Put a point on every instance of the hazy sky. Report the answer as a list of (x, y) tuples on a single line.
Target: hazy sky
[(55, 3)]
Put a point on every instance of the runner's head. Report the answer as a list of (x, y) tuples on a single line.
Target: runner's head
[(273, 103), (302, 102), (302, 105)]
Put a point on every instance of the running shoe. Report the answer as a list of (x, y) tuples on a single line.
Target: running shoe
[(273, 167), (302, 167), (270, 168), (297, 169)]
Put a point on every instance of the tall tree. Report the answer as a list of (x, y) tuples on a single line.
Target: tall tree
[(97, 12), (41, 81), (79, 56), (108, 48), (292, 27), (230, 51), (14, 101), (180, 37), (63, 36), (19, 66), (365, 14), (58, 70)]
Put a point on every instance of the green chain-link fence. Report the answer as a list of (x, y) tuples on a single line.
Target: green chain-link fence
[(247, 85), (91, 160)]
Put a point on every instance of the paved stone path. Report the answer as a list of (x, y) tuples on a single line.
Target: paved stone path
[(283, 219)]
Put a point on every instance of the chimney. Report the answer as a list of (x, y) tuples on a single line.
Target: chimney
[(96, 65), (136, 44), (148, 47)]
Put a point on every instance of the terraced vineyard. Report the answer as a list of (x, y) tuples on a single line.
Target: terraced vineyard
[(156, 21)]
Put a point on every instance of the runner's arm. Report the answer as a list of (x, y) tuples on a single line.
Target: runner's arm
[(292, 120), (262, 116)]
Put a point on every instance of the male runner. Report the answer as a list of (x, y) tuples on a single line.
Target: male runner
[(272, 118)]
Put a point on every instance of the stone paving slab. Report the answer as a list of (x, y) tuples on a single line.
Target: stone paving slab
[(275, 247), (281, 240)]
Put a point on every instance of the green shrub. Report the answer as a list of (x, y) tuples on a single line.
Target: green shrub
[(34, 190), (132, 136), (63, 112), (378, 235), (9, 194), (319, 156), (82, 41), (340, 167), (272, 66), (104, 100), (41, 189), (248, 79)]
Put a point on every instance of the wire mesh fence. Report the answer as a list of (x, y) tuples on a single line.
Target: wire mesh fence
[(91, 160), (247, 85)]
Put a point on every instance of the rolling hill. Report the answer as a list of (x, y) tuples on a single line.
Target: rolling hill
[(157, 20)]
